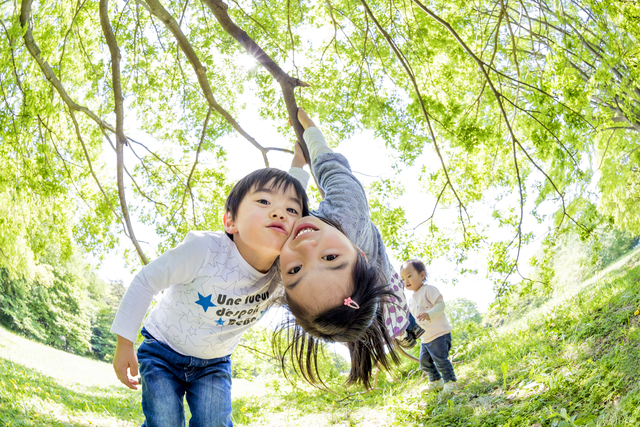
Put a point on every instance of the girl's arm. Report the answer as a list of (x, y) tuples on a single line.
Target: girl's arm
[(345, 203), (297, 164), (345, 200)]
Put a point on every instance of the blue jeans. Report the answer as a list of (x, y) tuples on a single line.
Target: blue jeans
[(167, 376), (434, 359)]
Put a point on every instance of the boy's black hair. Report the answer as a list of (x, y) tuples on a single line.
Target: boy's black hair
[(418, 265), (363, 329), (274, 178)]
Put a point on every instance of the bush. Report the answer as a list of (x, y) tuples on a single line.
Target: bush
[(54, 313), (103, 341)]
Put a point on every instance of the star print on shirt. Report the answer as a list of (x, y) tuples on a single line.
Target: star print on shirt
[(220, 321), (205, 302)]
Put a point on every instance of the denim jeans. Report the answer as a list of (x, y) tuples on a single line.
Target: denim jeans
[(434, 359), (167, 376)]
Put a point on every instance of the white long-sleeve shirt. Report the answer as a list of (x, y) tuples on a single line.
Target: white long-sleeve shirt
[(212, 296), (428, 299)]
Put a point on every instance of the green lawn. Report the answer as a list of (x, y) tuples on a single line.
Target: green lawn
[(42, 386), (573, 362)]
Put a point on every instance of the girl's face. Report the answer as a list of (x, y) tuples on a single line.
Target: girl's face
[(316, 263), (411, 278)]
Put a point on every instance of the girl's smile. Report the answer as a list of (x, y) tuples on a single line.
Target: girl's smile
[(304, 228)]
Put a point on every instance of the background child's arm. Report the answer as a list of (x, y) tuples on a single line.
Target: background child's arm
[(124, 360), (434, 312)]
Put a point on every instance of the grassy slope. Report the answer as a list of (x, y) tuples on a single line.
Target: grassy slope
[(42, 386), (574, 361)]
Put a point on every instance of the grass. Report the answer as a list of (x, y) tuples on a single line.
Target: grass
[(29, 398), (43, 386), (573, 362)]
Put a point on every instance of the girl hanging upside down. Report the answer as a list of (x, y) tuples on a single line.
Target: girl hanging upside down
[(339, 283)]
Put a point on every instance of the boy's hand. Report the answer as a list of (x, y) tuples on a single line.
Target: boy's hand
[(298, 157), (125, 359), (423, 317)]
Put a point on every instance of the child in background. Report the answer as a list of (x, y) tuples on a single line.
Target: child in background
[(427, 306), (218, 286), (339, 283)]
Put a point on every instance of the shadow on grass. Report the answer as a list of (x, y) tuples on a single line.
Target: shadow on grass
[(21, 389)]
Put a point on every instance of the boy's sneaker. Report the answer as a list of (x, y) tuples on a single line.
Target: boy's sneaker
[(408, 341), (450, 387), (433, 386), (417, 332)]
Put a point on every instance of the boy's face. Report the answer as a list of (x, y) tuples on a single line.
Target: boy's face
[(411, 278), (263, 222)]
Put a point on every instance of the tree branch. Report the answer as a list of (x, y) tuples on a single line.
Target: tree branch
[(195, 163), (25, 14), (405, 64), (93, 173), (156, 8), (121, 139), (286, 82), (498, 97)]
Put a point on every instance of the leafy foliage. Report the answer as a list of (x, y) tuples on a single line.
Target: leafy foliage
[(462, 310), (519, 107), (72, 312)]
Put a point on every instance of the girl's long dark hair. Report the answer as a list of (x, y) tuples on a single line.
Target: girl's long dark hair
[(300, 336)]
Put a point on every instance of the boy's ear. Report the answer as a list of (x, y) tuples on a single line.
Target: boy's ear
[(423, 274), (229, 224)]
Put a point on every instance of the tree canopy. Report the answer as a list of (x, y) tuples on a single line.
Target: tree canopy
[(521, 105)]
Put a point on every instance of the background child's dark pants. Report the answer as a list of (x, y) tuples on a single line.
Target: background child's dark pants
[(434, 359)]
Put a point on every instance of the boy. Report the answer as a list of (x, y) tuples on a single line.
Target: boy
[(427, 305), (217, 286)]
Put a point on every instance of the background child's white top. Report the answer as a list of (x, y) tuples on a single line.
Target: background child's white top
[(423, 301), (212, 297)]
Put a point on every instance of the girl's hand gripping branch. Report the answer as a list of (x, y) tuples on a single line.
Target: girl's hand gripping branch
[(304, 119), (125, 359), (298, 157)]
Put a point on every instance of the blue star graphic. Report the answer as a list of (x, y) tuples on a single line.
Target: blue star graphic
[(220, 321), (205, 302)]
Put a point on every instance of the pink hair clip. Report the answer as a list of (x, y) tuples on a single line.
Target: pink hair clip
[(351, 303)]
